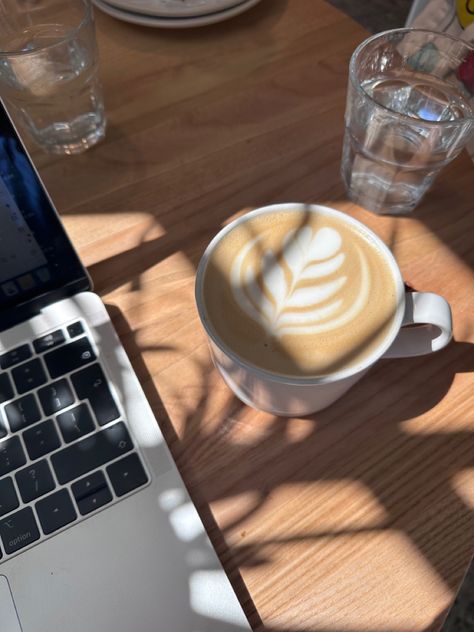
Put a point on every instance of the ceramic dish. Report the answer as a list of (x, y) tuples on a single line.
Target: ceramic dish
[(174, 8), (173, 23)]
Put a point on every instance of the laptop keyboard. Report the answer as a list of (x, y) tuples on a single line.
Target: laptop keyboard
[(65, 451)]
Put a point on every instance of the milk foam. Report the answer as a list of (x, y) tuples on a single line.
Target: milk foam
[(284, 293), (299, 293)]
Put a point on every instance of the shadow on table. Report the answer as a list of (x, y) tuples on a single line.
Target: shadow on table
[(389, 457), (375, 448), (455, 189)]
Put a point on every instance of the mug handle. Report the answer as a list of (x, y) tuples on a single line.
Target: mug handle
[(426, 327)]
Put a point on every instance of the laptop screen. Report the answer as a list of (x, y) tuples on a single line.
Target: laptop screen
[(36, 256)]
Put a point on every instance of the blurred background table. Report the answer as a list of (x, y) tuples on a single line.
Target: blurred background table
[(359, 519)]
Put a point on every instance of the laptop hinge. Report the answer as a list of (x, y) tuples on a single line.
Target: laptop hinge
[(12, 316)]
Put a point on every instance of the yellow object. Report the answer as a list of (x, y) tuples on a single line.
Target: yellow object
[(465, 10)]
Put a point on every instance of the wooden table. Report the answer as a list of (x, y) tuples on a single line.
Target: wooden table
[(360, 518)]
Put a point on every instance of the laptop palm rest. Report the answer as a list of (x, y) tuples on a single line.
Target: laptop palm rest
[(9, 616)]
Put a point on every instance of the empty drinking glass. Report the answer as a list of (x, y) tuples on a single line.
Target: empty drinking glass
[(49, 71), (409, 112)]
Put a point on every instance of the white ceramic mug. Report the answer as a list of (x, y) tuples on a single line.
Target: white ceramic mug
[(283, 395)]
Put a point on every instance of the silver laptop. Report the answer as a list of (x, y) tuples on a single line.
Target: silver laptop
[(97, 530)]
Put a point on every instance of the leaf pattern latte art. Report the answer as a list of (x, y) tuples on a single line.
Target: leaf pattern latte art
[(311, 302)]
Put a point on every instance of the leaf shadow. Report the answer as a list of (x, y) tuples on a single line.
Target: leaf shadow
[(374, 448)]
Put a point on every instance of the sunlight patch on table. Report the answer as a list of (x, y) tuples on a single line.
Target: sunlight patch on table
[(463, 484), (85, 229), (342, 505), (250, 427), (340, 592), (297, 430), (449, 416), (232, 509)]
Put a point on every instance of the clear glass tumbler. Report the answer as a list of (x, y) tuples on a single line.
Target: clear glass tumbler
[(49, 72), (409, 112)]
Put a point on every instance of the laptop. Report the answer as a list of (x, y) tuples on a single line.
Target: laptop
[(97, 530)]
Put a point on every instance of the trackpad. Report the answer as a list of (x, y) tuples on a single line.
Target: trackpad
[(9, 617)]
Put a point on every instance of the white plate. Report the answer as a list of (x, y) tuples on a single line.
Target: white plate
[(173, 23), (174, 8)]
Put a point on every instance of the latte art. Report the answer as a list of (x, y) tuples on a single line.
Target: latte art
[(289, 294), (299, 293)]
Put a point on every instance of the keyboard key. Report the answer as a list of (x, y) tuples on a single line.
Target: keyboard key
[(41, 439), (22, 412), (75, 423), (92, 452), (29, 376), (91, 384), (56, 396), (34, 481), (88, 485), (55, 511), (97, 499), (8, 498), (15, 356), (76, 329), (49, 341), (19, 530), (69, 357), (12, 455), (127, 474), (91, 493), (3, 428), (6, 388)]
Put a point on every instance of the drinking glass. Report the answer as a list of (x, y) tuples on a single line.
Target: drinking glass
[(49, 72), (409, 112)]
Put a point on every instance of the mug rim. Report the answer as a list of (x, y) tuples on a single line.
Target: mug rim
[(295, 379)]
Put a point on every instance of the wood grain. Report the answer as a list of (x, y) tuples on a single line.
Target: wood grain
[(359, 519)]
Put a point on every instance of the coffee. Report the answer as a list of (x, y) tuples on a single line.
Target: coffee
[(299, 293)]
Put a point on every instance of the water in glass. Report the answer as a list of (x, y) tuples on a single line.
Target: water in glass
[(389, 165), (57, 92)]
